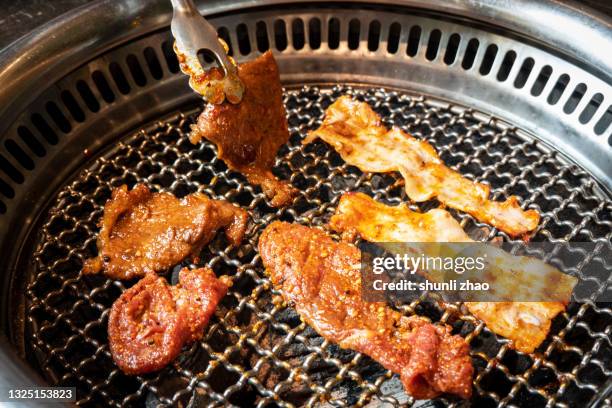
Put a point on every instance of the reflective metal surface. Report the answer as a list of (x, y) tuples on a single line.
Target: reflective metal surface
[(74, 38)]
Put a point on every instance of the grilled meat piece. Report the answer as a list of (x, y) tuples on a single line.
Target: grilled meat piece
[(142, 231), (249, 134), (525, 323), (359, 214), (196, 296), (321, 279), (150, 322), (355, 131)]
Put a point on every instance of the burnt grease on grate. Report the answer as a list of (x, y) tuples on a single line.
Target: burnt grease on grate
[(256, 351)]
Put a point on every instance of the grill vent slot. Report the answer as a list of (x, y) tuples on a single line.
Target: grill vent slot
[(261, 36), (414, 38), (87, 96), (280, 35), (575, 98), (604, 122), (451, 48), (374, 35), (470, 54), (103, 87), (6, 189), (488, 60), (44, 129), (72, 105), (119, 78), (394, 37), (136, 70), (433, 45), (153, 63), (506, 66), (558, 89), (33, 144), (225, 36), (314, 33), (590, 109), (58, 117), (10, 170), (18, 154), (170, 57), (541, 80), (244, 44), (298, 36), (354, 31), (524, 72), (333, 41)]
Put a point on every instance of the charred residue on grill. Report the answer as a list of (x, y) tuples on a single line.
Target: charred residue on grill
[(256, 350)]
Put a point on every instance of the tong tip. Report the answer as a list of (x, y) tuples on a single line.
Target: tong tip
[(215, 85)]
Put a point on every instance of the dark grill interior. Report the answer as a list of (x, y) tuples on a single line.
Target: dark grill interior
[(256, 351)]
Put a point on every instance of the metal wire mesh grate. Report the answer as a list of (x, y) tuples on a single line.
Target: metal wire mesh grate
[(256, 351)]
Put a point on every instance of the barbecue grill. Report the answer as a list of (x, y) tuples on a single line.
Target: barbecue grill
[(516, 94)]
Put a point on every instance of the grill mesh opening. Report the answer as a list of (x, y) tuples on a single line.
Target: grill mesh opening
[(256, 351)]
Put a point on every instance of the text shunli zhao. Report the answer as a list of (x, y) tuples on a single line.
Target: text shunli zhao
[(478, 271)]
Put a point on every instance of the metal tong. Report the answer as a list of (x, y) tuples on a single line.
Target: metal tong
[(193, 34)]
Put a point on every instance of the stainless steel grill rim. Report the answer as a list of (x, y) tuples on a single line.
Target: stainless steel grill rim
[(125, 80)]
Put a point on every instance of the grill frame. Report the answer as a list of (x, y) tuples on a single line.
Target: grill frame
[(133, 109)]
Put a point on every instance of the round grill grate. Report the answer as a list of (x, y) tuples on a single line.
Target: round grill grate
[(256, 351)]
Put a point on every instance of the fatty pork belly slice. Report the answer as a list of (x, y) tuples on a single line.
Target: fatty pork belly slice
[(526, 324), (249, 134), (356, 132), (142, 231), (321, 279), (150, 322)]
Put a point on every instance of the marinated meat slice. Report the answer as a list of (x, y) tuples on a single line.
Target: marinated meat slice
[(142, 231), (359, 214), (321, 279), (525, 323), (145, 330), (197, 296), (150, 322), (355, 131), (249, 134)]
